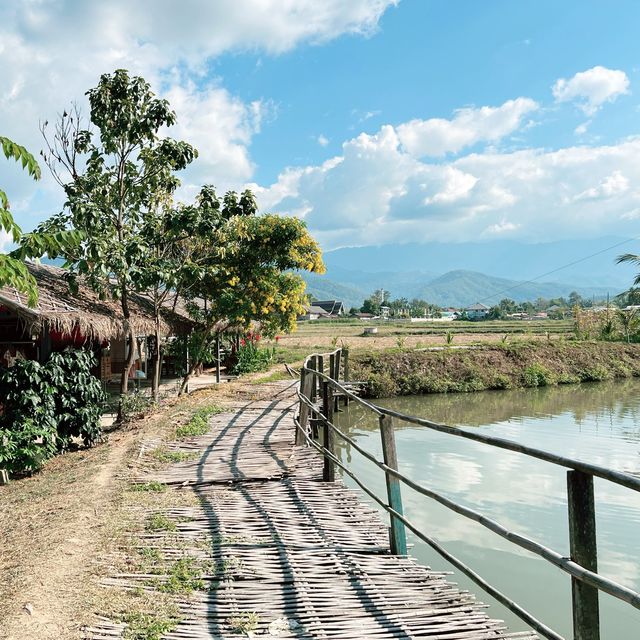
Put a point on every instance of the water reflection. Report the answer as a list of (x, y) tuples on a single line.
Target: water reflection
[(599, 423)]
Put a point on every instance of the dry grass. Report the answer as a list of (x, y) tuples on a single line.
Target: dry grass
[(70, 525)]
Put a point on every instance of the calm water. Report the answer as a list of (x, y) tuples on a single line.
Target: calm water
[(598, 423)]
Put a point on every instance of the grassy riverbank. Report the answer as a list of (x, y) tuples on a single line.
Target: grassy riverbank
[(509, 366)]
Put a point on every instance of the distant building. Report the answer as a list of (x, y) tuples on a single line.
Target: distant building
[(477, 311), (313, 312), (330, 307)]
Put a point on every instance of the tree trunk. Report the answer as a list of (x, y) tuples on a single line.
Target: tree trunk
[(157, 364), (128, 332), (187, 377)]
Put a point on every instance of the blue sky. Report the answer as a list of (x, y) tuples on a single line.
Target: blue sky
[(375, 120)]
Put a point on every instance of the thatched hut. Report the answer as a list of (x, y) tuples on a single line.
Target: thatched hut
[(62, 318)]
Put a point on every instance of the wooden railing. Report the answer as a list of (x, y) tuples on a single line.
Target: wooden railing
[(322, 388)]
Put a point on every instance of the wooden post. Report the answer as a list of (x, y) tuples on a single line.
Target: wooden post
[(320, 368), (336, 376), (218, 358), (313, 365), (345, 370), (306, 384), (329, 469), (584, 551), (397, 533), (4, 476)]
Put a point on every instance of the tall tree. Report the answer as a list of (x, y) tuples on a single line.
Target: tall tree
[(238, 268), (115, 176)]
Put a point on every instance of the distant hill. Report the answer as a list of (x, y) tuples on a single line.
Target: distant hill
[(461, 288), (499, 258), (456, 288)]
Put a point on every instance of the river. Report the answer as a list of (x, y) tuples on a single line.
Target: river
[(598, 423)]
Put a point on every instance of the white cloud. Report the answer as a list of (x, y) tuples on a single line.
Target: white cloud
[(376, 192), (52, 52), (437, 136), (609, 187), (592, 88), (323, 141)]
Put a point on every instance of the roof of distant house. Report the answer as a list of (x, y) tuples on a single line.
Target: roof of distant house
[(332, 307), (478, 306), (313, 309)]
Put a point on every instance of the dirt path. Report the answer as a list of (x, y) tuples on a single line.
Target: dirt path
[(51, 527), (58, 528)]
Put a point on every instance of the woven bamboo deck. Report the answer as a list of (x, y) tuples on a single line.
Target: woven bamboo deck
[(308, 558)]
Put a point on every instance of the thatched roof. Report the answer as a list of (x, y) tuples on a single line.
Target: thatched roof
[(66, 312)]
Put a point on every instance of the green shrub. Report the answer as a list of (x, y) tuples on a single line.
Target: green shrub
[(568, 378), (381, 385), (251, 358), (597, 373), (79, 396), (45, 406), (28, 426), (135, 405), (501, 381), (537, 375)]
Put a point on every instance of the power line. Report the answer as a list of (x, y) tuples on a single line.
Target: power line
[(564, 266)]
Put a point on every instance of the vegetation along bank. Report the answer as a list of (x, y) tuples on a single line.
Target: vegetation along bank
[(509, 366)]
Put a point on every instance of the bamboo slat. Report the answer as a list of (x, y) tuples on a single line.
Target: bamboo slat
[(308, 558)]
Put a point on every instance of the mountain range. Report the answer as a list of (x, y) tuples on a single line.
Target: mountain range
[(450, 274)]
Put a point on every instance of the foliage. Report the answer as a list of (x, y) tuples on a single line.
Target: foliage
[(537, 375), (78, 397), (611, 324), (160, 522), (184, 576), (245, 622), (135, 405), (240, 267), (147, 626), (198, 425), (116, 176), (45, 406), (251, 357), (157, 487), (12, 271)]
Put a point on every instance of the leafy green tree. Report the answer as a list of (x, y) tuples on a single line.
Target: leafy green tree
[(12, 270), (496, 313), (115, 176), (575, 299), (238, 268)]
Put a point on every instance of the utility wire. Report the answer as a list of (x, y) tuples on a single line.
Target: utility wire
[(564, 266)]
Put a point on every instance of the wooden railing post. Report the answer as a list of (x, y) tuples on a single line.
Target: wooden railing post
[(345, 370), (320, 368), (313, 365), (328, 437), (584, 551), (306, 383), (397, 533), (336, 377)]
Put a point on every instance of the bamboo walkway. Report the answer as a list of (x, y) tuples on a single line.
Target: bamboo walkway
[(288, 555)]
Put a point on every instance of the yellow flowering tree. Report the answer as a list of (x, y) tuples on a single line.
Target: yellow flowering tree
[(239, 268)]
